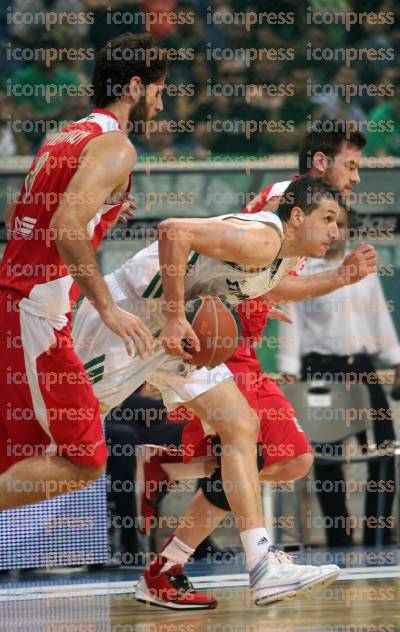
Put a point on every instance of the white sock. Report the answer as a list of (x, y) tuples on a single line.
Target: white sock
[(256, 544), (176, 552), (181, 471)]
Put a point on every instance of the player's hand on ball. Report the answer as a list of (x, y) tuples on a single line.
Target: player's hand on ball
[(359, 264), (176, 331), (131, 328)]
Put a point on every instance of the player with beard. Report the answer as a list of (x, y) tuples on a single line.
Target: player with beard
[(77, 187)]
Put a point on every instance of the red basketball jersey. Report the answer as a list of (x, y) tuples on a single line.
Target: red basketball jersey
[(31, 264), (253, 313)]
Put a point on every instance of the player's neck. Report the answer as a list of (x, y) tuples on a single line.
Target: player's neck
[(121, 111), (290, 247)]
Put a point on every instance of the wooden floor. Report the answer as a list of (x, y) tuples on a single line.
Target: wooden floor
[(353, 606)]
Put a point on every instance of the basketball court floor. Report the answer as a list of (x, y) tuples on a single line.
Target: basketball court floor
[(366, 598)]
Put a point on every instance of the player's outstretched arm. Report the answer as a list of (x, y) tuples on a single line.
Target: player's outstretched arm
[(242, 242), (104, 169), (361, 262)]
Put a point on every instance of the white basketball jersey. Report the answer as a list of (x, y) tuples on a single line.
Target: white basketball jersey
[(140, 275)]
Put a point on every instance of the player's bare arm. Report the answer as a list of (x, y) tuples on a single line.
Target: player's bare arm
[(356, 266), (249, 244), (103, 174)]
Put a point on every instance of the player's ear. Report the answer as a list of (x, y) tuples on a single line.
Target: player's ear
[(296, 216), (135, 88), (321, 162)]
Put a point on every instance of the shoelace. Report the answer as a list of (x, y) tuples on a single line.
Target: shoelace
[(281, 556), (180, 582)]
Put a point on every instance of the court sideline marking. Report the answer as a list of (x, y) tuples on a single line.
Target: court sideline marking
[(26, 593)]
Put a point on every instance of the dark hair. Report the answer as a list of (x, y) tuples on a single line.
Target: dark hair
[(121, 59), (307, 192), (328, 136)]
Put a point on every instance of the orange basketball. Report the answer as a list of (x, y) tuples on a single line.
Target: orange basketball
[(217, 326)]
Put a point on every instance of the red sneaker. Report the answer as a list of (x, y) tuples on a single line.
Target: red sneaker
[(151, 484), (171, 589)]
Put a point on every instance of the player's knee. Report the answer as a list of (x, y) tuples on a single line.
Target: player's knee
[(244, 425), (249, 425)]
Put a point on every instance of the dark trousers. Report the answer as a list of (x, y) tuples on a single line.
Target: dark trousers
[(333, 504), (126, 427)]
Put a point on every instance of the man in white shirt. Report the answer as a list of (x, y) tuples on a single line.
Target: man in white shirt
[(332, 336)]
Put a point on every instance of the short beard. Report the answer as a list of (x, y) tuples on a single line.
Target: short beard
[(138, 117), (336, 251)]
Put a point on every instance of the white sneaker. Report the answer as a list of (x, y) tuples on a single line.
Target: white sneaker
[(276, 577)]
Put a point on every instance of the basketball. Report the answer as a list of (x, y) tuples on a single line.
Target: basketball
[(217, 326)]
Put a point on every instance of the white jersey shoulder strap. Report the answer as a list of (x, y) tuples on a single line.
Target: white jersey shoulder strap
[(265, 217), (106, 122)]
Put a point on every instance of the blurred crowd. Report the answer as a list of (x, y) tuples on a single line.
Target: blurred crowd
[(215, 89)]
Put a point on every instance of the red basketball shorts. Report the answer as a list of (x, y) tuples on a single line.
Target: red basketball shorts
[(280, 432), (47, 405)]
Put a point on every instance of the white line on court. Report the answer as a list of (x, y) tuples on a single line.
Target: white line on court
[(127, 587)]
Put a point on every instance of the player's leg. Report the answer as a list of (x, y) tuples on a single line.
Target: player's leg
[(164, 582), (40, 478), (207, 515), (200, 520), (207, 509), (286, 455), (226, 410), (290, 469), (214, 397), (210, 505), (50, 428), (28, 480), (158, 470)]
